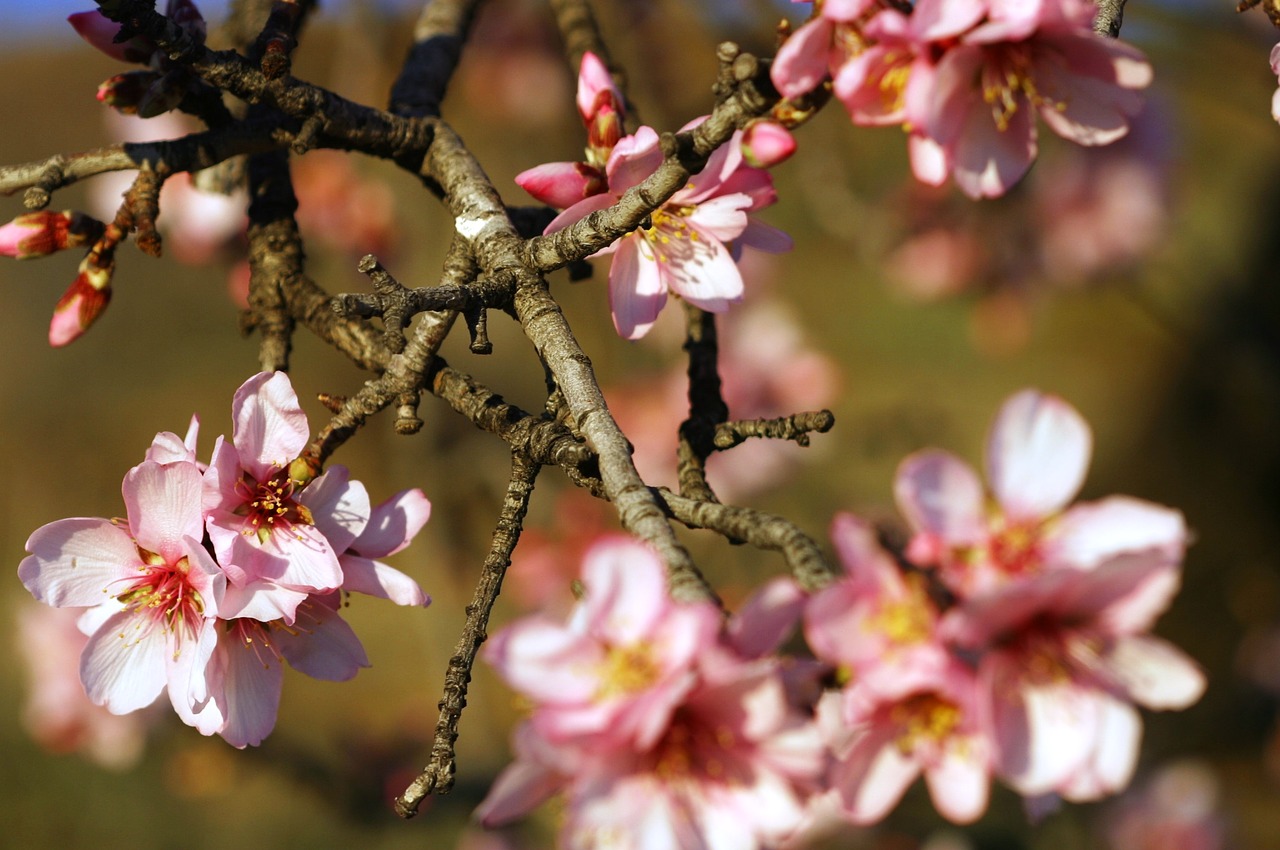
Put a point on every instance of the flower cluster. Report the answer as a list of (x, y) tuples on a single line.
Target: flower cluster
[(219, 573), (692, 242), (1031, 669), (662, 729), (966, 78), (1014, 644)]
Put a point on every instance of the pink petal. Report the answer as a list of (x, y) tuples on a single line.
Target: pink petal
[(339, 507), (1114, 756), (545, 661), (561, 184), (1037, 455), (764, 237), (636, 290), (393, 524), (593, 80), (362, 575), (581, 210), (78, 562), (1154, 673), (321, 645), (1088, 534), (802, 62), (940, 494), (270, 429), (1082, 76), (626, 590), (519, 789), (767, 618), (246, 687), (264, 601), (873, 776), (163, 504), (123, 665), (633, 159), (959, 783), (1123, 595)]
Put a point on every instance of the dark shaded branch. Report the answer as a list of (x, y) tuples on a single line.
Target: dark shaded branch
[(275, 256), (437, 777), (707, 409), (438, 37)]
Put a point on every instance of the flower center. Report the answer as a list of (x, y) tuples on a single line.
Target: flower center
[(1007, 79), (1015, 548), (924, 719), (163, 596), (270, 505), (627, 670), (907, 620)]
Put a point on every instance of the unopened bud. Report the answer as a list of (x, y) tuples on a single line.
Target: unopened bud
[(39, 234), (767, 143), (596, 88), (163, 95), (81, 304), (185, 14), (124, 92)]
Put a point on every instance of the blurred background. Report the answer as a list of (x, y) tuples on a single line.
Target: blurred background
[(1139, 282)]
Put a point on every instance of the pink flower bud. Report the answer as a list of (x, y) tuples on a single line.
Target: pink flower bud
[(603, 131), (39, 234), (124, 92), (81, 304), (596, 88), (562, 184), (766, 144), (101, 32)]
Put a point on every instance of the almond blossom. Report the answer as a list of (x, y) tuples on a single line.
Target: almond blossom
[(910, 705), (1041, 57), (725, 760), (154, 589), (684, 251), (277, 532), (1037, 454), (1064, 656)]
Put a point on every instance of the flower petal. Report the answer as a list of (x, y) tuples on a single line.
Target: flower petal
[(78, 562), (1037, 454), (270, 427)]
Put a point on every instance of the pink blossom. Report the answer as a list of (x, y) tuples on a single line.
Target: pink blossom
[(1037, 455), (1024, 57), (909, 705), (276, 532), (684, 251), (1064, 655), (730, 764), (155, 590), (244, 670), (616, 670)]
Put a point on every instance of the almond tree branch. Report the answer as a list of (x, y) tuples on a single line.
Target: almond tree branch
[(1110, 17)]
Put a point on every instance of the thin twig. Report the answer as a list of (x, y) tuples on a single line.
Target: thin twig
[(437, 777)]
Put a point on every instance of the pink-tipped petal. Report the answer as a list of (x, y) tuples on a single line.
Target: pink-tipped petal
[(941, 495), (163, 504), (77, 562), (636, 290), (270, 427)]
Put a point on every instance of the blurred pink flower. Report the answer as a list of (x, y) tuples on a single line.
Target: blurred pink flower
[(909, 705), (614, 672), (726, 759), (1178, 808), (1037, 455), (1064, 656), (57, 713)]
